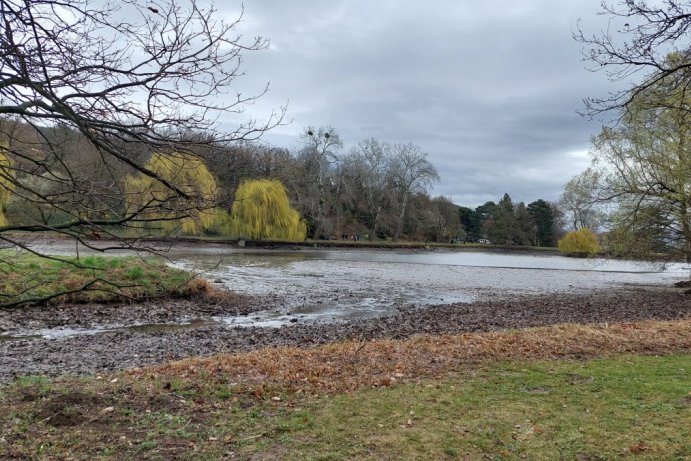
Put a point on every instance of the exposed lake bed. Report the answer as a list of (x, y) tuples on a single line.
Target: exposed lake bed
[(306, 297)]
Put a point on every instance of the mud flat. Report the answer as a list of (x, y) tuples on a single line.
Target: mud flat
[(108, 337)]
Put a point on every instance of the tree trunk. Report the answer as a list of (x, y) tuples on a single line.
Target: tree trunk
[(401, 216)]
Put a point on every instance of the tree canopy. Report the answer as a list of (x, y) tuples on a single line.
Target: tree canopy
[(581, 242), (90, 91), (262, 210), (642, 163), (579, 202), (645, 163), (411, 172), (153, 205), (544, 221)]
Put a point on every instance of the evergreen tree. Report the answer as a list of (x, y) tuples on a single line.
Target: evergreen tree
[(483, 218), (471, 224), (542, 214), (501, 229), (524, 231)]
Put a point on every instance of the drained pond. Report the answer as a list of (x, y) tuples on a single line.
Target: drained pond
[(322, 286), (303, 297), (327, 285)]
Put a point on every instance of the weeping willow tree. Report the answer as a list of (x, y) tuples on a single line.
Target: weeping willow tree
[(261, 210), (6, 182), (156, 206)]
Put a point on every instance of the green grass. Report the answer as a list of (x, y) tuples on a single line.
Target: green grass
[(25, 277), (628, 407), (598, 410)]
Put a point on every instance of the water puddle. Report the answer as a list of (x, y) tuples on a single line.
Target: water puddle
[(54, 333), (170, 327), (8, 338), (303, 314), (144, 328), (289, 313)]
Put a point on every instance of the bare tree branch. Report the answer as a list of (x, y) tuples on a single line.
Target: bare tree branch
[(637, 43)]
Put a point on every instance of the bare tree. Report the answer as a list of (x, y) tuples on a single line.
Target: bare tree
[(580, 202), (410, 173), (369, 165), (644, 160), (445, 223), (89, 92), (637, 43), (317, 189)]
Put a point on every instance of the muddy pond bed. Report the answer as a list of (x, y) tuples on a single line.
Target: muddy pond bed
[(308, 297)]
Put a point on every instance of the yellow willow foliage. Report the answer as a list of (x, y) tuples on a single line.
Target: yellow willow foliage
[(190, 175), (262, 211), (221, 222), (581, 242), (6, 186)]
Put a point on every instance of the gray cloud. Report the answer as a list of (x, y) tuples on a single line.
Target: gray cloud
[(490, 91)]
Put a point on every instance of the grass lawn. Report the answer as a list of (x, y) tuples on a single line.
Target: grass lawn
[(270, 404), (24, 276)]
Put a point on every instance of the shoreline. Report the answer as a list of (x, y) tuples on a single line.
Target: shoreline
[(281, 244), (160, 245)]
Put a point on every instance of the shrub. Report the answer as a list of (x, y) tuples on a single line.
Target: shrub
[(581, 242)]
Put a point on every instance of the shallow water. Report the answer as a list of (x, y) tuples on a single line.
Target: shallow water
[(341, 284), (327, 285)]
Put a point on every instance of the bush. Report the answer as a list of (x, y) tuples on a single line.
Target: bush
[(581, 242)]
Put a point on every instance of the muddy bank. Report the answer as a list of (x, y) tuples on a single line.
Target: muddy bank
[(113, 315), (130, 348)]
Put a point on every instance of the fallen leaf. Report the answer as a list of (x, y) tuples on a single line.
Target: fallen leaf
[(640, 447)]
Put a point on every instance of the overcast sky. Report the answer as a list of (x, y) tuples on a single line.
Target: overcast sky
[(489, 89)]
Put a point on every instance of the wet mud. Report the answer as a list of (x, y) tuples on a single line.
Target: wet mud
[(171, 330)]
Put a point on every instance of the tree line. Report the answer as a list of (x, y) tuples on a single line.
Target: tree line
[(376, 190), (90, 94), (95, 96)]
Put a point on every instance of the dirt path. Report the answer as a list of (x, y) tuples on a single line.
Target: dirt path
[(130, 348)]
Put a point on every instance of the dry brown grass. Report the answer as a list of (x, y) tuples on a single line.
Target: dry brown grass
[(346, 366), (199, 286)]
